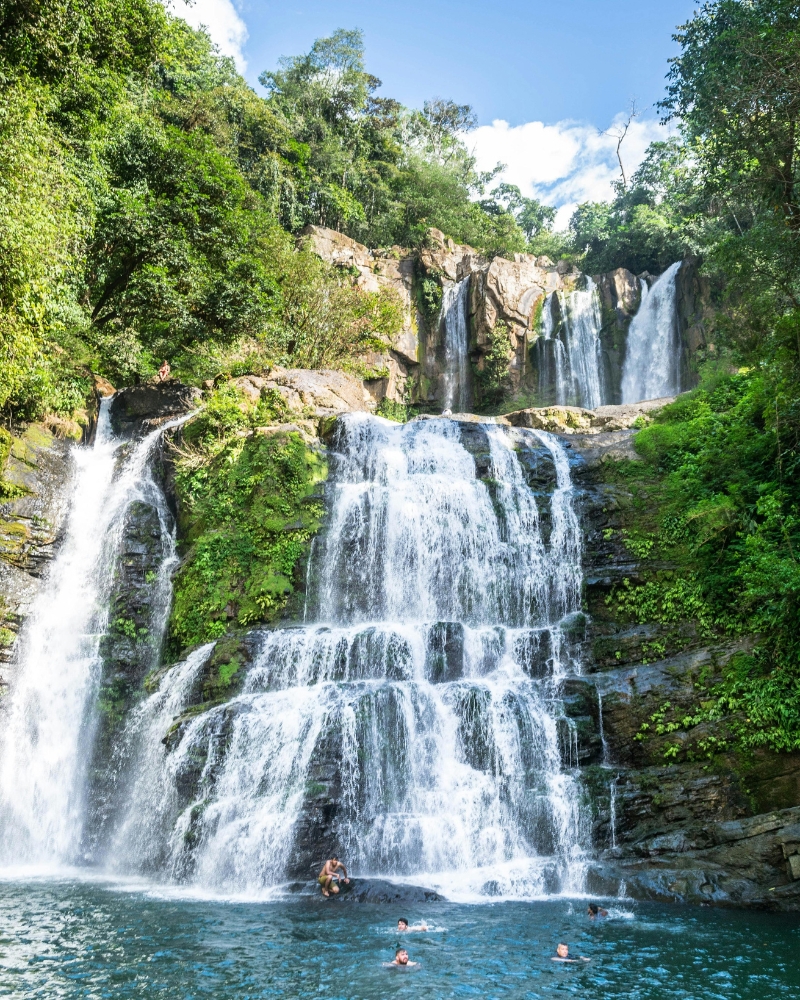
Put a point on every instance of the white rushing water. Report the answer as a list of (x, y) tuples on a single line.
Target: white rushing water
[(48, 720), (652, 368), (422, 704), (570, 352), (455, 318)]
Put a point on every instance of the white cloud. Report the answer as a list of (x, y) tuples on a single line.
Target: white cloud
[(223, 22), (562, 164)]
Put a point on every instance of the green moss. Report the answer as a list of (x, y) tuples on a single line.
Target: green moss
[(491, 374), (428, 290), (392, 410), (249, 506), (8, 491)]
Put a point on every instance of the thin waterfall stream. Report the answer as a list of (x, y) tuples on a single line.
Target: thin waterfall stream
[(455, 320), (653, 358), (569, 348)]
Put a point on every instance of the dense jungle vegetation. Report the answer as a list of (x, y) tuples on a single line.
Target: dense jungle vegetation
[(150, 202)]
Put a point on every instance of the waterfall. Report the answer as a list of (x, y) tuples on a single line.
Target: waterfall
[(49, 719), (612, 815), (652, 368), (455, 316), (413, 722), (569, 349)]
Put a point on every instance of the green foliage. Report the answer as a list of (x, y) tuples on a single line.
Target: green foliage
[(249, 504), (726, 457), (491, 379), (149, 201), (392, 410)]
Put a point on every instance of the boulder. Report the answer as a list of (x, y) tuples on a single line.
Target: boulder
[(577, 420), (151, 404), (310, 393)]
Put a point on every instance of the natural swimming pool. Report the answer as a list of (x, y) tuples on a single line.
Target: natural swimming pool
[(70, 938)]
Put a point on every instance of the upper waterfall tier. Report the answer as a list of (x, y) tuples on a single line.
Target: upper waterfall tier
[(455, 320), (652, 368), (415, 536)]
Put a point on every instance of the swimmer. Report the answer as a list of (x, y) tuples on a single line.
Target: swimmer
[(329, 873), (401, 959), (596, 911), (562, 955), (402, 926)]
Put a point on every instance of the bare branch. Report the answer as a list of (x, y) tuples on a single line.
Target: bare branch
[(619, 133)]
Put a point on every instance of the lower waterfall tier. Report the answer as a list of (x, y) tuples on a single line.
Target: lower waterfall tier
[(459, 783)]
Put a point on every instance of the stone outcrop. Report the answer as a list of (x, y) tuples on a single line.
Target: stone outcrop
[(695, 313), (687, 822), (373, 270), (144, 407), (577, 420), (510, 293), (39, 470), (311, 394)]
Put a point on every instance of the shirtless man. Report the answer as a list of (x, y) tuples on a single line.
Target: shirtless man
[(401, 959), (562, 955), (402, 926), (329, 873)]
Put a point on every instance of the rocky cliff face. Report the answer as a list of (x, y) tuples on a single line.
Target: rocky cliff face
[(505, 303), (677, 815), (36, 481)]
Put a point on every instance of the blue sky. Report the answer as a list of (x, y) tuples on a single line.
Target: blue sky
[(543, 77)]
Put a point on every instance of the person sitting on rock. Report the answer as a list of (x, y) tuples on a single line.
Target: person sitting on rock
[(562, 955), (329, 873), (163, 372), (402, 926), (401, 959), (596, 911)]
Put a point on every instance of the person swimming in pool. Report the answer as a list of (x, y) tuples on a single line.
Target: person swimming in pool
[(596, 911), (330, 871), (562, 955), (401, 960), (403, 926)]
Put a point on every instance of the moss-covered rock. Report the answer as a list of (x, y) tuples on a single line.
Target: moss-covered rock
[(249, 505)]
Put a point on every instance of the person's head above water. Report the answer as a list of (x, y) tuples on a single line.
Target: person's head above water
[(402, 924), (562, 950), (401, 956), (596, 911)]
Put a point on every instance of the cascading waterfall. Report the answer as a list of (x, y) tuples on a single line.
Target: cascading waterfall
[(569, 349), (49, 720), (419, 711), (653, 358), (455, 317)]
